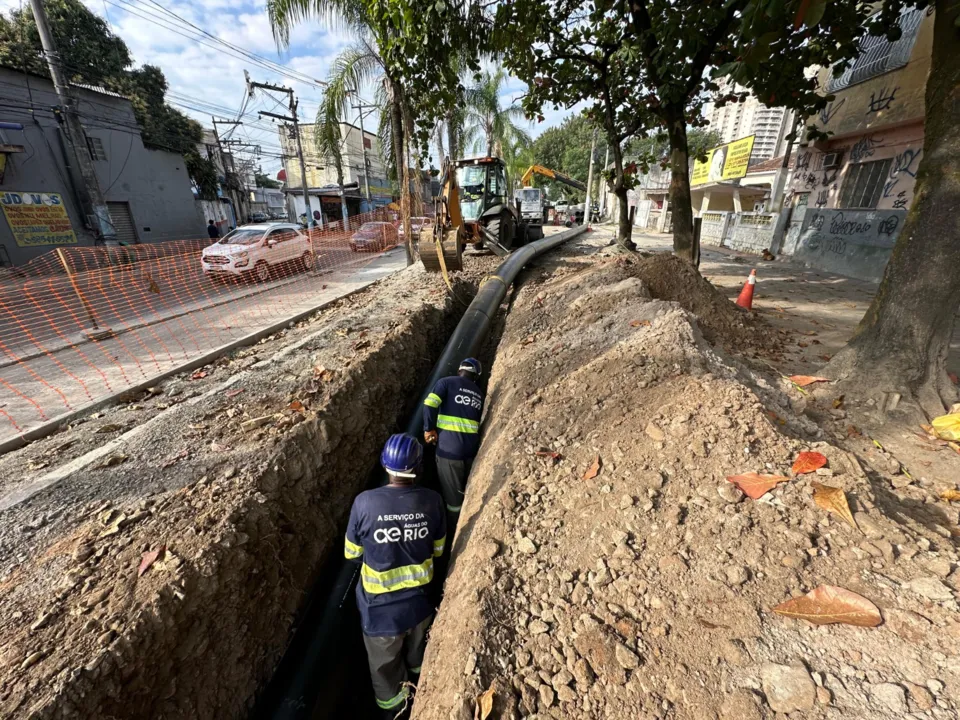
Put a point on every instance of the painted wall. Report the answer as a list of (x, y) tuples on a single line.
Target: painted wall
[(856, 243), (154, 182), (815, 186)]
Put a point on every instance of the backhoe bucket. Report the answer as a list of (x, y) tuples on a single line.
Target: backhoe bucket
[(451, 251)]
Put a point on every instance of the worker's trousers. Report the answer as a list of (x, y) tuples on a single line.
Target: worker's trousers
[(394, 660), (453, 475)]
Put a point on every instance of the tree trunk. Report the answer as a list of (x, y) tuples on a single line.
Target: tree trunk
[(452, 144), (395, 97), (624, 228), (902, 343), (681, 204), (406, 201)]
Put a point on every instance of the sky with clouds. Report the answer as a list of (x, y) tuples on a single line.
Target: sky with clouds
[(206, 78)]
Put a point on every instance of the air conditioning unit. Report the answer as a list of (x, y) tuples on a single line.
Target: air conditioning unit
[(832, 160)]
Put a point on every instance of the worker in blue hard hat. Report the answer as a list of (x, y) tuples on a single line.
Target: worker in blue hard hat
[(395, 532), (451, 419)]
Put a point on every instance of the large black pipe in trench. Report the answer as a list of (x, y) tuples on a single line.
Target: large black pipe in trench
[(319, 652)]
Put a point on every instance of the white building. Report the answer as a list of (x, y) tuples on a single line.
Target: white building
[(321, 171), (750, 117)]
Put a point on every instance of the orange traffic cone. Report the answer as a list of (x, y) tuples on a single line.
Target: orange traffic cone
[(745, 299)]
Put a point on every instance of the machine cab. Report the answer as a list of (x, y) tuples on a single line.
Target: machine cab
[(483, 186)]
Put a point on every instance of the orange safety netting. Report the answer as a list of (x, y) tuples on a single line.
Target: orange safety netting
[(80, 323)]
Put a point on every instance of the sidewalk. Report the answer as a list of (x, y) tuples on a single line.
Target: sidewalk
[(52, 385), (820, 310)]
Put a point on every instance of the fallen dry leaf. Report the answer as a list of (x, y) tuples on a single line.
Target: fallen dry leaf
[(838, 402), (109, 428), (149, 558), (853, 431), (153, 287), (639, 323), (808, 462), (755, 485), (829, 604), (484, 705), (804, 380), (593, 470), (833, 499), (296, 406), (218, 448), (233, 393), (950, 495), (198, 375), (113, 460)]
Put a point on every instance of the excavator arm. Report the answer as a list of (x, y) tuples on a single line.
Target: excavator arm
[(441, 243), (552, 175)]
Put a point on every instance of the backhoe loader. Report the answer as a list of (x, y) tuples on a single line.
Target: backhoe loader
[(473, 208)]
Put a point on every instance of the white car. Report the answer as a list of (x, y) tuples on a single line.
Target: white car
[(257, 249)]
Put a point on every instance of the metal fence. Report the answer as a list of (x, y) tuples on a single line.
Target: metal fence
[(81, 323)]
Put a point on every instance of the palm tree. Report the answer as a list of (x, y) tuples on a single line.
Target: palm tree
[(487, 123), (357, 63)]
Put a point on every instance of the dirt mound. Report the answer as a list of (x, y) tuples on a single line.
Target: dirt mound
[(670, 278), (604, 567)]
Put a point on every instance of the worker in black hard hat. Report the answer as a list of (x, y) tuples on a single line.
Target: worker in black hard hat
[(451, 419)]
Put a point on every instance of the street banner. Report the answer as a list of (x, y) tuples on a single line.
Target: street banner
[(726, 162), (37, 218)]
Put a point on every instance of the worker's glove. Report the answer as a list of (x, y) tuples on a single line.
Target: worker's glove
[(430, 437)]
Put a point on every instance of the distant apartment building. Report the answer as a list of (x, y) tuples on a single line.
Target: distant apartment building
[(850, 193), (750, 117)]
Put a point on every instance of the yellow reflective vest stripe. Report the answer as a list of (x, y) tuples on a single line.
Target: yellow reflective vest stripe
[(351, 551), (377, 582), (458, 424), (433, 400), (438, 546)]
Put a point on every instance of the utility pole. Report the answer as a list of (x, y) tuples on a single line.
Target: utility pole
[(606, 162), (292, 118), (91, 198), (236, 198), (586, 208), (360, 107)]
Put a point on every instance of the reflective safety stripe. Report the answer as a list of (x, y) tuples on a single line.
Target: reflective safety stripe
[(433, 400), (377, 582), (415, 671), (351, 551), (395, 700), (458, 424), (451, 508), (438, 545)]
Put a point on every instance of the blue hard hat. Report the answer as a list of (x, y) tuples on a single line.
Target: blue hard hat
[(471, 365), (401, 455)]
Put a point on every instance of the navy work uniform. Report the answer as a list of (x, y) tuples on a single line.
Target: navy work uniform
[(454, 408), (395, 532)]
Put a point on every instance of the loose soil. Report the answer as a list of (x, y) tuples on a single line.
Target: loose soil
[(161, 576), (644, 588)]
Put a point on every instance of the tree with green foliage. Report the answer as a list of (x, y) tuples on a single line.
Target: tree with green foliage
[(646, 66), (567, 148), (490, 127), (265, 181), (90, 53), (903, 342)]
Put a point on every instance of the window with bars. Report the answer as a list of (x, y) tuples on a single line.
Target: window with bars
[(863, 184), (95, 147), (878, 55)]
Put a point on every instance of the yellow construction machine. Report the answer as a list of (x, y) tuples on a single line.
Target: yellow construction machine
[(473, 207)]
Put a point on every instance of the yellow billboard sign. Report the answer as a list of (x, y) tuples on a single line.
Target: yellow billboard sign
[(37, 218), (727, 162)]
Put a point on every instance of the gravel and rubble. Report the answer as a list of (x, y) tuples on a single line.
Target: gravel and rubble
[(605, 568), (154, 555)]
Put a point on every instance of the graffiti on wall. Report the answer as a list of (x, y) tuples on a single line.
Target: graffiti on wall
[(881, 100), (847, 232), (829, 112), (864, 148), (803, 160), (903, 164), (901, 201)]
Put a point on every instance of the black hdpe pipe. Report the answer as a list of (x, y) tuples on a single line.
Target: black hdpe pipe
[(317, 668)]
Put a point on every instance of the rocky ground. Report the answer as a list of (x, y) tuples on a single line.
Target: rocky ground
[(153, 556), (605, 568)]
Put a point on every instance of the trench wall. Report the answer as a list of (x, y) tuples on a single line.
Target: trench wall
[(201, 645)]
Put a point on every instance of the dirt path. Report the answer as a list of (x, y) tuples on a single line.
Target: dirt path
[(605, 568)]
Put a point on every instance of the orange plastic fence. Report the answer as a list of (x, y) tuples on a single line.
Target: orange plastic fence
[(81, 323)]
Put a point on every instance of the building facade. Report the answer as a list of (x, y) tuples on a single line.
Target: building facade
[(850, 193), (321, 171), (147, 191), (737, 120)]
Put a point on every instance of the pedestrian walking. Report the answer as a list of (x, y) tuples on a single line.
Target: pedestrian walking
[(451, 419), (395, 532), (212, 230)]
